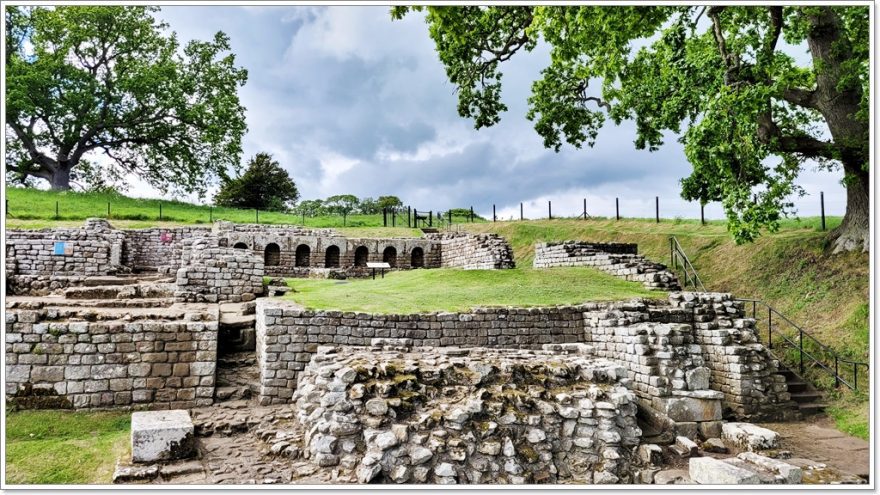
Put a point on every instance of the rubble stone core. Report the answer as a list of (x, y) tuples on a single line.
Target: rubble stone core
[(447, 415)]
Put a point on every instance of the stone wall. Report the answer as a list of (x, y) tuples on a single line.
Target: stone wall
[(217, 274), (55, 361), (617, 259), (157, 248), (33, 262), (452, 416), (741, 367), (474, 251), (288, 336)]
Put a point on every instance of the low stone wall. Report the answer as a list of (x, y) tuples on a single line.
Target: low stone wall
[(53, 361), (474, 251), (288, 335), (218, 274), (157, 248), (453, 416), (617, 259), (35, 257)]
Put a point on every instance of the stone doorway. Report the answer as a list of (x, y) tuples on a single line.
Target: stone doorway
[(417, 258), (361, 255), (331, 257), (390, 256)]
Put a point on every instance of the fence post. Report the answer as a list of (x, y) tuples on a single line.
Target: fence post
[(585, 208), (657, 207), (430, 218), (384, 217), (409, 216), (344, 215), (108, 209), (822, 203), (211, 214), (769, 328), (494, 218), (449, 214), (394, 217), (160, 211), (257, 211), (472, 214), (56, 210), (801, 349), (836, 374), (520, 211), (617, 208), (304, 219), (549, 210)]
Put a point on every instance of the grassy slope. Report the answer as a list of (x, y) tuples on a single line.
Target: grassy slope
[(825, 294), (417, 291), (32, 208), (62, 447)]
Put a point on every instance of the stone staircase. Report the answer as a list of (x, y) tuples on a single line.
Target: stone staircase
[(808, 399), (238, 377)]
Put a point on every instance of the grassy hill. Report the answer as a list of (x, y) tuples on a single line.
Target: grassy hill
[(33, 209)]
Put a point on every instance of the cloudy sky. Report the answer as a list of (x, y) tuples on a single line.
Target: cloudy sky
[(350, 102)]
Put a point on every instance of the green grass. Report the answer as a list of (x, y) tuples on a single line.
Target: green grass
[(417, 291), (33, 208), (62, 447)]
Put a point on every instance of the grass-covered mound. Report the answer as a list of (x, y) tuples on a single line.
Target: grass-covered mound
[(419, 291)]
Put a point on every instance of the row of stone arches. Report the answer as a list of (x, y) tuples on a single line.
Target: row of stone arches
[(303, 255)]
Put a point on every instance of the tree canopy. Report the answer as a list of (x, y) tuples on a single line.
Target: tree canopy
[(264, 186), (94, 93), (748, 114)]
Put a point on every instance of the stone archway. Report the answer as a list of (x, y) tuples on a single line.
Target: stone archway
[(240, 245), (303, 255), (417, 258), (272, 255), (331, 257), (361, 256), (389, 255)]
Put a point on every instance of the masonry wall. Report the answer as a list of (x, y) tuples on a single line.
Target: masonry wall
[(157, 248), (617, 259), (288, 336), (474, 251), (154, 364), (218, 274)]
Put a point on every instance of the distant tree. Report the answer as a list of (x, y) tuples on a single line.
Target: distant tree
[(311, 208), (749, 113), (369, 206), (342, 204), (264, 185), (390, 202), (104, 80)]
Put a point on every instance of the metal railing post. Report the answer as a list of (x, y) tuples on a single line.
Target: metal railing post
[(836, 374), (801, 349), (769, 327)]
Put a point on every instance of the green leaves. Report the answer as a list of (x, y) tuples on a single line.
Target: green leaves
[(716, 75), (105, 81), (265, 185)]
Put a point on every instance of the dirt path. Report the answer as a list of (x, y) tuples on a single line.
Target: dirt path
[(817, 439)]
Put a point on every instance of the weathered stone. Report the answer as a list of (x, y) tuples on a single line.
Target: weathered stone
[(161, 435), (749, 437), (710, 471)]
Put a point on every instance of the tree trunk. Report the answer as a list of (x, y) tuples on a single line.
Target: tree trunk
[(854, 232), (60, 180)]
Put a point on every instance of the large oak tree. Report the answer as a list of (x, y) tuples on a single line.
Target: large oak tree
[(86, 81), (748, 114)]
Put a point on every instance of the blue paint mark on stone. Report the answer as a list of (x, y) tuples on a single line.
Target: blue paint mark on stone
[(60, 249)]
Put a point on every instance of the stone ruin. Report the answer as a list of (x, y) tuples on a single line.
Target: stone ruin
[(604, 392), (619, 259)]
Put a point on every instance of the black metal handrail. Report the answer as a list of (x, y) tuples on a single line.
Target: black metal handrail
[(802, 353), (678, 258)]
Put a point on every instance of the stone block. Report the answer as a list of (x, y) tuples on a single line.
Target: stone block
[(688, 408), (749, 437), (161, 435), (710, 471)]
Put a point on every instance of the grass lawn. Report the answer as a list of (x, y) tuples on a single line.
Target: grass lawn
[(63, 447), (419, 291), (34, 209)]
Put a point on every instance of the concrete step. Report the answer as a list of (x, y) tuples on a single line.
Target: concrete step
[(812, 408), (795, 386)]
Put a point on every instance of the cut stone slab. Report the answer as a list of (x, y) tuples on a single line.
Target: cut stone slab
[(125, 473), (688, 409), (749, 437), (686, 447), (710, 471), (787, 473), (672, 477), (715, 446), (161, 435)]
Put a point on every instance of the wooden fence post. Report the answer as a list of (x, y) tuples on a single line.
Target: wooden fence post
[(617, 208), (657, 207)]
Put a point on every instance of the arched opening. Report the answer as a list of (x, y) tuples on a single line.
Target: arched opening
[(240, 245), (418, 258), (272, 255), (360, 256), (331, 257), (303, 253), (390, 256)]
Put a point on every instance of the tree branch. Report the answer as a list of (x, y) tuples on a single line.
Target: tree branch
[(801, 97)]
